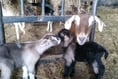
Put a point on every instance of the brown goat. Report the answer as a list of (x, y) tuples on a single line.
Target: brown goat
[(80, 26)]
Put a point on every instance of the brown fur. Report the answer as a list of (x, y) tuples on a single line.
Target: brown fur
[(72, 29), (83, 27)]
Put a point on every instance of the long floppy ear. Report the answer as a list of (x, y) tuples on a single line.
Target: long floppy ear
[(99, 22), (69, 22)]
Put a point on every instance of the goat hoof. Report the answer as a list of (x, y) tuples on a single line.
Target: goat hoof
[(25, 77), (64, 76), (72, 75), (73, 78)]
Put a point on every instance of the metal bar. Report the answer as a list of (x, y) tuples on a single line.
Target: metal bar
[(79, 6), (62, 7), (2, 33), (28, 19), (22, 7), (95, 3), (33, 1), (43, 7)]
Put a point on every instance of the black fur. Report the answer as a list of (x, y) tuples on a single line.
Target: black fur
[(89, 52)]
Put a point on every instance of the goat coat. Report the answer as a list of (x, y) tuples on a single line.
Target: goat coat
[(26, 56), (12, 52), (89, 51)]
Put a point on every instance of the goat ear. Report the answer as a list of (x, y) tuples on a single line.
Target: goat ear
[(68, 23), (72, 29), (99, 22), (100, 26)]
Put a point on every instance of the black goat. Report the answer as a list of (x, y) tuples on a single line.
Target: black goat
[(90, 52)]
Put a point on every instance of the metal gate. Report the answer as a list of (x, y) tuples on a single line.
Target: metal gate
[(32, 19)]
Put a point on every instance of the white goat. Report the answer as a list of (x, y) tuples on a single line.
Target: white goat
[(26, 56)]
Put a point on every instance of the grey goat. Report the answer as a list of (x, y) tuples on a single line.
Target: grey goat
[(26, 57)]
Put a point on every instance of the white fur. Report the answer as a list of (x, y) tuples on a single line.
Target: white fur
[(25, 72), (69, 56), (82, 35), (68, 23), (100, 23), (31, 76), (77, 20), (95, 67)]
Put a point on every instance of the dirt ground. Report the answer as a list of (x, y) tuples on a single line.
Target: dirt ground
[(53, 70)]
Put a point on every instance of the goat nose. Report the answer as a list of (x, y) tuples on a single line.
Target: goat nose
[(81, 39)]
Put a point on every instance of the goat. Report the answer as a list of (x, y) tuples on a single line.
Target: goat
[(90, 52), (80, 26), (26, 56)]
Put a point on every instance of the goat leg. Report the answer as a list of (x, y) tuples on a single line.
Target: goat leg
[(31, 71), (6, 68), (101, 70), (69, 71), (25, 72), (72, 69), (98, 69)]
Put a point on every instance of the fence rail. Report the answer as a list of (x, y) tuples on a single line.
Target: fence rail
[(31, 19), (42, 18), (28, 19)]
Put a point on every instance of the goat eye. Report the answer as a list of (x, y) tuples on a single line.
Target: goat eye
[(62, 35), (47, 37)]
